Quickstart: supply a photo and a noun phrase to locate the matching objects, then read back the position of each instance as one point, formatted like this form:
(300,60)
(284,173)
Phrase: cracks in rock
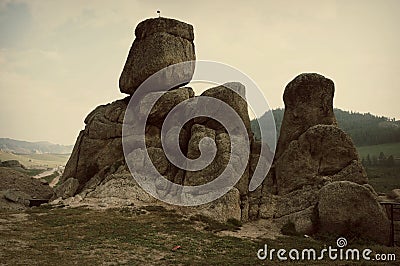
(319,166)
(294,213)
(78,143)
(158,32)
(108,138)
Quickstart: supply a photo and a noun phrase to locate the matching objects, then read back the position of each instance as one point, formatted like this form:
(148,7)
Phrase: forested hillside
(364,129)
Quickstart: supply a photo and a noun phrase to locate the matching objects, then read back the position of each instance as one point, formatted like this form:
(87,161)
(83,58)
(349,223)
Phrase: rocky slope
(17,189)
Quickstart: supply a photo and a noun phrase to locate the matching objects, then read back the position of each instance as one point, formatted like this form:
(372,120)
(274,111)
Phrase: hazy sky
(60,59)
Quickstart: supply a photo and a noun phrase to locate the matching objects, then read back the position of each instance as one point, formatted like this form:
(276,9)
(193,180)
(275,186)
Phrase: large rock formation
(97,158)
(316,167)
(312,159)
(102,151)
(98,149)
(159,43)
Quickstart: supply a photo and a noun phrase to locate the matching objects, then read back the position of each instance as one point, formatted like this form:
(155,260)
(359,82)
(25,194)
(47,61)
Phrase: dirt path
(255,229)
(45,173)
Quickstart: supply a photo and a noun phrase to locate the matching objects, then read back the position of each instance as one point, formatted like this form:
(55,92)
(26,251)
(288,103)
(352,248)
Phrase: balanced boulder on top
(159,43)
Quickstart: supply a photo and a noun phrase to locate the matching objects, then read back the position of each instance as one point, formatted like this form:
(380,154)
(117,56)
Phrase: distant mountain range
(26,147)
(364,129)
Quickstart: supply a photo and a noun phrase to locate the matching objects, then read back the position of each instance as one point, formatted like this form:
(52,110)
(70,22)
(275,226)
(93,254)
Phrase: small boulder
(165,103)
(303,221)
(12,164)
(17,197)
(394,194)
(234,94)
(222,209)
(11,179)
(67,189)
(17,189)
(360,214)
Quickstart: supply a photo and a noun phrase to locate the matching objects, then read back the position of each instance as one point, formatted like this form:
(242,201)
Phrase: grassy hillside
(381,176)
(387,148)
(36,160)
(383,179)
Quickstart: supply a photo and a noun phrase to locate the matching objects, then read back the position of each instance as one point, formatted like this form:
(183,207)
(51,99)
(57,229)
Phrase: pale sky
(61,59)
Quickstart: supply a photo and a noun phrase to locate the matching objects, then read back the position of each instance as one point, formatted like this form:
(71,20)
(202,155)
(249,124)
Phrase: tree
(382,158)
(390,161)
(369,163)
(374,160)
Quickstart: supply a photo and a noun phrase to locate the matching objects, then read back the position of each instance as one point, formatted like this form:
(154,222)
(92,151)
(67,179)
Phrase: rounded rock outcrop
(308,102)
(349,209)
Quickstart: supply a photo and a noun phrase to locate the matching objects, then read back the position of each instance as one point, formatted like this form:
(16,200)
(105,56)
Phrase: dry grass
(36,160)
(133,236)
